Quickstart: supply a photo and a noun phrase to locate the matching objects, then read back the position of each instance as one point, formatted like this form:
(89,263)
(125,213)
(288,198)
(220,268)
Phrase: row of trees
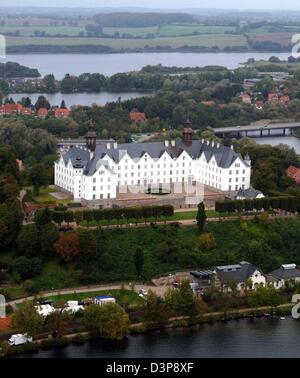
(286,203)
(111,214)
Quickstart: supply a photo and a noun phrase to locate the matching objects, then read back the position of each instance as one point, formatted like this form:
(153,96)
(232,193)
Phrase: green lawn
(45,196)
(123,297)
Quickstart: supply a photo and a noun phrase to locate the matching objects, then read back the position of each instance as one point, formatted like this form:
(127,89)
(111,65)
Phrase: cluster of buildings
(98,172)
(280,96)
(245,276)
(20,109)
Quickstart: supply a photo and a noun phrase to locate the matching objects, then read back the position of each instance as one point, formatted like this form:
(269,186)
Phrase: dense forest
(136,20)
(14,70)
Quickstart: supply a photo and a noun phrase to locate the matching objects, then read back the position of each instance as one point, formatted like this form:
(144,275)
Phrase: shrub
(207,242)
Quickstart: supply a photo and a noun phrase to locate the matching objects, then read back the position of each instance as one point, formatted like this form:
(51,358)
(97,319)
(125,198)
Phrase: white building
(243,276)
(98,172)
(286,273)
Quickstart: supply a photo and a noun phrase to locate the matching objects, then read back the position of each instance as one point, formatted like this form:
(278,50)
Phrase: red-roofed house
(137,116)
(285,99)
(61,113)
(273,97)
(259,104)
(208,103)
(11,109)
(294,173)
(26,111)
(246,99)
(42,113)
(5,324)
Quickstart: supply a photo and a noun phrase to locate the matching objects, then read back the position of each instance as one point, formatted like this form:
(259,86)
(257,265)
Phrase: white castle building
(97,172)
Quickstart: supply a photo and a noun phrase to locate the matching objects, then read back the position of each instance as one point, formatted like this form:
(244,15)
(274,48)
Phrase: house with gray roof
(286,273)
(241,276)
(98,171)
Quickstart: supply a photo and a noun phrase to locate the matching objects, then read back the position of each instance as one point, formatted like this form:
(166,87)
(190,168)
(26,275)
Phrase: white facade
(101,174)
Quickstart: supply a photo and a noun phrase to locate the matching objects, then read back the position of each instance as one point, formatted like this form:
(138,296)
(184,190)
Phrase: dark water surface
(264,337)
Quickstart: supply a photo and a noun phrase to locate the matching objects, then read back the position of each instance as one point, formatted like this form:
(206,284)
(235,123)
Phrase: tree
(38,176)
(63,104)
(67,246)
(88,245)
(27,268)
(207,241)
(42,102)
(42,217)
(28,241)
(57,321)
(109,321)
(155,309)
(48,237)
(201,216)
(26,319)
(139,261)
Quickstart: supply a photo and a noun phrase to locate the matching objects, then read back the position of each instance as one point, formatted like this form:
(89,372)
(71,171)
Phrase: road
(159,290)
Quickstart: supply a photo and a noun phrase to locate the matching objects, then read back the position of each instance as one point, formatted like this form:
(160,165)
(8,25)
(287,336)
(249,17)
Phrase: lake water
(275,141)
(84,99)
(109,64)
(264,337)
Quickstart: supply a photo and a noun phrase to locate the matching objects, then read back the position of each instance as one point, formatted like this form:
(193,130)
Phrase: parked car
(143,292)
(19,339)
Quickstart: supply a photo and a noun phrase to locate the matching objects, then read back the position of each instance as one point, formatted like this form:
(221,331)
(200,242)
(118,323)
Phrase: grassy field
(187,29)
(136,32)
(123,297)
(27,31)
(45,196)
(196,40)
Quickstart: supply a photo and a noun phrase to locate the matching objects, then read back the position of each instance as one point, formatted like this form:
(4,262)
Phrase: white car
(19,339)
(143,292)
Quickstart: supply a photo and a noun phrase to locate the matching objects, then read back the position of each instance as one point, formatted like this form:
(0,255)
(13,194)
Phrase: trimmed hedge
(286,203)
(110,214)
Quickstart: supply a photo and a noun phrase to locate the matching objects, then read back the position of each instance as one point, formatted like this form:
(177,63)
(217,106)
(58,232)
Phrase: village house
(280,277)
(137,116)
(208,103)
(294,173)
(42,113)
(240,277)
(249,193)
(61,113)
(259,104)
(285,99)
(273,97)
(246,98)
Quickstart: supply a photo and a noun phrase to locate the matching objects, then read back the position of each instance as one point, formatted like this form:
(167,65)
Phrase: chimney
(207,142)
(115,145)
(213,143)
(202,141)
(173,143)
(91,140)
(108,146)
(166,143)
(187,133)
(218,145)
(231,147)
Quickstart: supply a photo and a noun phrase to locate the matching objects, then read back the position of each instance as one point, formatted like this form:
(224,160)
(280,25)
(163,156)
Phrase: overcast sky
(236,4)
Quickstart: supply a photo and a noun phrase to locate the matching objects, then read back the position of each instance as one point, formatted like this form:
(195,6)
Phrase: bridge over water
(260,130)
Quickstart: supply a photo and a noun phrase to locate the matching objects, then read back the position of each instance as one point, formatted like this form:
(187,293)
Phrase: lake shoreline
(182,322)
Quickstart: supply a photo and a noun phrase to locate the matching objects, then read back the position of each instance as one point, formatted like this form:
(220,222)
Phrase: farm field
(198,40)
(188,29)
